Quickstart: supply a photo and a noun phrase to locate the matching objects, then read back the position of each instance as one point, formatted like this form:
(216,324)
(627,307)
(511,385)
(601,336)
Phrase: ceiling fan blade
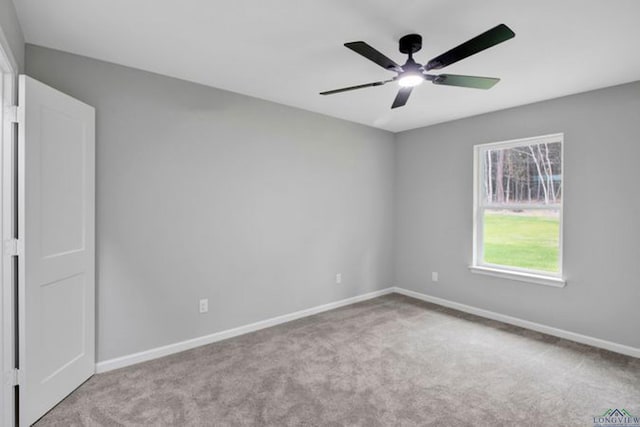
(345,89)
(492,37)
(373,55)
(402,97)
(466,81)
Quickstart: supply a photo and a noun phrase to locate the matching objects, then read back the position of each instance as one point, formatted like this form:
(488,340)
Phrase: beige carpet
(391,361)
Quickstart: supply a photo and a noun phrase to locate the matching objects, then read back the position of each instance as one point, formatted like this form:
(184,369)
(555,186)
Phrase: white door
(56,211)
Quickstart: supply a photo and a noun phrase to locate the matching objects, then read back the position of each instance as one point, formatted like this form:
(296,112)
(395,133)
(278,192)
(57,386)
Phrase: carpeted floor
(391,361)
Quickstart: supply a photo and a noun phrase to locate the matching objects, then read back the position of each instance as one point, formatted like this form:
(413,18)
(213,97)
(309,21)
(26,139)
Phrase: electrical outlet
(339,278)
(204,305)
(434,276)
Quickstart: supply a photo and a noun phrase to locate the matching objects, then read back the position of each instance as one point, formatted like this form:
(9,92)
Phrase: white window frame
(480,205)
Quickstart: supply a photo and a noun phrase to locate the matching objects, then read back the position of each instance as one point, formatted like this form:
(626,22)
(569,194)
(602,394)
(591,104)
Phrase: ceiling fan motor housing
(411,43)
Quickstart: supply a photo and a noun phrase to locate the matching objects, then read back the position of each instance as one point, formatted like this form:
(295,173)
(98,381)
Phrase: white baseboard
(154,353)
(560,333)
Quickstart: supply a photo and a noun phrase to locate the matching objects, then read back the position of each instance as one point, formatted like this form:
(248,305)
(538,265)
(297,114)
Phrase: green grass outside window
(520,240)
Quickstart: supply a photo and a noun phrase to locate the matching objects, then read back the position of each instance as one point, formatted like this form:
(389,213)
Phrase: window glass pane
(528,238)
(528,174)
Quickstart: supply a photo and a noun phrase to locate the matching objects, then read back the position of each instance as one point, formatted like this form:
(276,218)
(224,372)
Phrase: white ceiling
(289,50)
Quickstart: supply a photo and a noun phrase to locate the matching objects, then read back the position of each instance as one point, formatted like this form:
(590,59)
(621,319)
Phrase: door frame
(8,137)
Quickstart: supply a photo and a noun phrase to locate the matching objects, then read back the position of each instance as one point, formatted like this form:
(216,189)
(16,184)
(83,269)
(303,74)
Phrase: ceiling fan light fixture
(411,79)
(412,74)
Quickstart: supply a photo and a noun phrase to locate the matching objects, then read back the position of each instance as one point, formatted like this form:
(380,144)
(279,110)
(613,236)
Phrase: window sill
(523,277)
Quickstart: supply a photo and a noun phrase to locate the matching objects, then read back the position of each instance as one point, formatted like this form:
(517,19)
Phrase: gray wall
(207,194)
(601,213)
(203,193)
(12,31)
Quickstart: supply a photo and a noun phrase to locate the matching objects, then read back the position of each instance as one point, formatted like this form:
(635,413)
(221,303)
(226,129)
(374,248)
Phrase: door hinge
(13,247)
(13,113)
(17,377)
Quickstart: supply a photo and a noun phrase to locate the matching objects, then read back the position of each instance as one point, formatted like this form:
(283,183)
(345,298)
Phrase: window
(518,209)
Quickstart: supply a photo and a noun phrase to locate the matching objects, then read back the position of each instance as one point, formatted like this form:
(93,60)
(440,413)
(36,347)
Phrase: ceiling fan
(412,74)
